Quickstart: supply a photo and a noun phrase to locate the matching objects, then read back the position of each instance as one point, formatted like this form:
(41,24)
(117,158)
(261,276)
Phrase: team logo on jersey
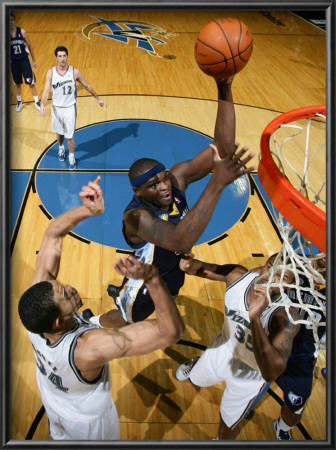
(295,400)
(144,34)
(175,211)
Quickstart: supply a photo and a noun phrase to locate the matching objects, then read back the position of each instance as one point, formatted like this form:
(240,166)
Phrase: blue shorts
(23,69)
(296,382)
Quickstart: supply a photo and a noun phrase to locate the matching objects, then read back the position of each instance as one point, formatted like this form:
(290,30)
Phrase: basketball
(223,47)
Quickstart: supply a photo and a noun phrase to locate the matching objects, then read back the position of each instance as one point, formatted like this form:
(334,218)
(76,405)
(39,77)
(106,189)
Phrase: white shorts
(243,384)
(63,120)
(106,428)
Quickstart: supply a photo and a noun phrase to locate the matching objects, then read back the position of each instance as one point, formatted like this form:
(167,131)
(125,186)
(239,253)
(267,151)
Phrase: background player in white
(62,80)
(72,354)
(253,346)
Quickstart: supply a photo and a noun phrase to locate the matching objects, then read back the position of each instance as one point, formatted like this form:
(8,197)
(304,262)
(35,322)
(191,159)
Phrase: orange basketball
(223,47)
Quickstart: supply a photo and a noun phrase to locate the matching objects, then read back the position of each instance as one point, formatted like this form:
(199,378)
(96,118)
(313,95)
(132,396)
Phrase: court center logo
(145,35)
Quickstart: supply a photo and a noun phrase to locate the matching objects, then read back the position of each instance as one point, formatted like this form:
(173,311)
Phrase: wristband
(95,320)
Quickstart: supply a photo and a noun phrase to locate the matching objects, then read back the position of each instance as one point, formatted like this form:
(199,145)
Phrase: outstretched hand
(131,267)
(232,166)
(92,197)
(190,265)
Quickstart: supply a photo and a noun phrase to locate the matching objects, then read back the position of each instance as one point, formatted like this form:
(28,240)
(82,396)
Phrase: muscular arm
(79,77)
(192,170)
(99,346)
(181,237)
(272,352)
(49,255)
(218,272)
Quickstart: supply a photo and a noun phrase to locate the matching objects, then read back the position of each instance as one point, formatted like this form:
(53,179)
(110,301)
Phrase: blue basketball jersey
(18,46)
(166,261)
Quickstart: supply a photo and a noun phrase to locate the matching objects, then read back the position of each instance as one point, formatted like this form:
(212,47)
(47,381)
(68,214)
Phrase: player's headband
(141,179)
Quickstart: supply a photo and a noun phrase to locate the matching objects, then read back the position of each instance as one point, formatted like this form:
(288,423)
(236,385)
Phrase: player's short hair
(141,166)
(12,15)
(60,48)
(37,309)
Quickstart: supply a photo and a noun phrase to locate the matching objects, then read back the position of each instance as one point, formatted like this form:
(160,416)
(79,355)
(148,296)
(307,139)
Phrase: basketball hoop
(292,172)
(293,201)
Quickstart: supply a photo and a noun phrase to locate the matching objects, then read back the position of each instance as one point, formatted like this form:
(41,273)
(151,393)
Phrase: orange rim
(303,215)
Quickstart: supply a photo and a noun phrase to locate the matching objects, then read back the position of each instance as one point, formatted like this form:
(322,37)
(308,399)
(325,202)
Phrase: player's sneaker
(18,106)
(184,370)
(113,291)
(72,163)
(61,154)
(38,105)
(87,314)
(281,435)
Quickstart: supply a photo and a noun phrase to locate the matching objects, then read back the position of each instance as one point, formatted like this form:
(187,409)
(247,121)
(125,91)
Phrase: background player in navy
(21,65)
(157,222)
(297,380)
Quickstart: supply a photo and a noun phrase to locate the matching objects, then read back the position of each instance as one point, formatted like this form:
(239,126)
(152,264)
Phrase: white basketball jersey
(236,330)
(60,382)
(64,90)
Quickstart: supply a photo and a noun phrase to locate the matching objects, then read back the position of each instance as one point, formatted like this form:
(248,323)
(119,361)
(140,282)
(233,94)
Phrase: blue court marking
(18,186)
(59,192)
(115,145)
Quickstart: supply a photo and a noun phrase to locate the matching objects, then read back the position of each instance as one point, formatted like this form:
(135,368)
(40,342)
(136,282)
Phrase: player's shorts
(134,301)
(63,120)
(23,69)
(103,429)
(296,382)
(243,384)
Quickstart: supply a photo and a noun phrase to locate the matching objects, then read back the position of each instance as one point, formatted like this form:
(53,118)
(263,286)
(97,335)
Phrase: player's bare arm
(96,347)
(45,93)
(223,272)
(30,47)
(224,139)
(48,258)
(271,352)
(79,77)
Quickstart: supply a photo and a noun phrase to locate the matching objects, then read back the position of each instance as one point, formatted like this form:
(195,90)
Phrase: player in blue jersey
(297,380)
(157,223)
(21,64)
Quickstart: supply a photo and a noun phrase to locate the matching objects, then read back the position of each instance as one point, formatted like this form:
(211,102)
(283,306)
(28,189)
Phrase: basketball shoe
(184,369)
(72,163)
(38,105)
(280,434)
(18,106)
(61,154)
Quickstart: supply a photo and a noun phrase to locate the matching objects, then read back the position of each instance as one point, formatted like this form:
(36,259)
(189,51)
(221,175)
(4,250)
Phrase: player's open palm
(232,166)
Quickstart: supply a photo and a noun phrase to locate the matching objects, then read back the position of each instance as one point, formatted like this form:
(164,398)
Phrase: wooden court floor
(162,84)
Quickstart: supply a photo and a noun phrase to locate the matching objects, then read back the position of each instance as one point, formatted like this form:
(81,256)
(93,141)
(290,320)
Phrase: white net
(298,149)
